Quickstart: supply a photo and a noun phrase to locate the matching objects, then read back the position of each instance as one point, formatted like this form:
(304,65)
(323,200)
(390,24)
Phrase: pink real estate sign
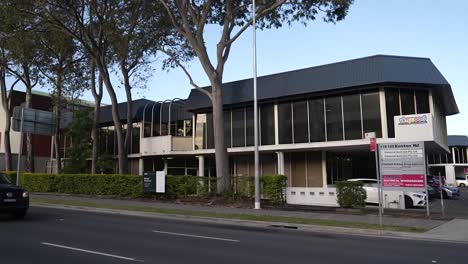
(404,181)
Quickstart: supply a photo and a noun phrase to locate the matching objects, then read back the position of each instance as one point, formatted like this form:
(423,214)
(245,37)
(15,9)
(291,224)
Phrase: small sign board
(160,181)
(154,182)
(149,182)
(403,166)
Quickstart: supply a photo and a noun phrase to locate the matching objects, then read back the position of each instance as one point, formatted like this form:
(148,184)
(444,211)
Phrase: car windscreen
(4,179)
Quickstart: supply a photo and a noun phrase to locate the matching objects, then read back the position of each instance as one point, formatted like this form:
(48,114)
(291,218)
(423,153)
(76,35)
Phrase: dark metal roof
(153,110)
(105,117)
(362,72)
(457,141)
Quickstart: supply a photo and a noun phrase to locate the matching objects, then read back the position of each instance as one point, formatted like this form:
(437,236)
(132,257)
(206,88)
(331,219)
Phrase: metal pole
(380,192)
(428,213)
(441,196)
(256,154)
(20,148)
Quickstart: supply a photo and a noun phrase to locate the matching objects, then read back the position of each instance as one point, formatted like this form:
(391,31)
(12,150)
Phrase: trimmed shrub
(99,184)
(351,194)
(271,187)
(179,186)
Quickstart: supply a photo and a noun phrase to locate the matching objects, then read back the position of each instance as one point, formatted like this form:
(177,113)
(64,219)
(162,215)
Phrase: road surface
(65,236)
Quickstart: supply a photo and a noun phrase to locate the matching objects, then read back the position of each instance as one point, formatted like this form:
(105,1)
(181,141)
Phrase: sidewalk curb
(257,224)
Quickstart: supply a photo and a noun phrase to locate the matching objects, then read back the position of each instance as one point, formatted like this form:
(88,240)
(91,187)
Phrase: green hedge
(105,184)
(272,187)
(351,194)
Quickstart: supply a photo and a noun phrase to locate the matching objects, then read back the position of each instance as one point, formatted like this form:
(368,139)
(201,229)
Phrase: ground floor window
(342,166)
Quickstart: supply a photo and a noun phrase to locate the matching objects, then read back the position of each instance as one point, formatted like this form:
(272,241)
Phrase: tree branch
(176,61)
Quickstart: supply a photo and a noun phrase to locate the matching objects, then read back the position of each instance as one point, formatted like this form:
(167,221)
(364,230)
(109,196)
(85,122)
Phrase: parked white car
(372,189)
(462,181)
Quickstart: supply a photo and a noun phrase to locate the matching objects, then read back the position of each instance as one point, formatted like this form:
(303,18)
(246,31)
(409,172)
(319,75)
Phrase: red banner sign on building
(404,181)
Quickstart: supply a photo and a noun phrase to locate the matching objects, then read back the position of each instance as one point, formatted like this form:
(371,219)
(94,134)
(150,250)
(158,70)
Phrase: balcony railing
(164,145)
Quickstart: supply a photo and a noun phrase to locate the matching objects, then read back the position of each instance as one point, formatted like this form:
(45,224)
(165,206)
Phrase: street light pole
(256,154)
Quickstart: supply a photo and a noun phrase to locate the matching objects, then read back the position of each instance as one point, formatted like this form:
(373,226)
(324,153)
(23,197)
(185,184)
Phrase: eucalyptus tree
(88,22)
(233,17)
(62,65)
(24,57)
(139,26)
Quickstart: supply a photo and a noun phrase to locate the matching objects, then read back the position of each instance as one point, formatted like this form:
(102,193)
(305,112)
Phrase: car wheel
(19,214)
(462,185)
(408,202)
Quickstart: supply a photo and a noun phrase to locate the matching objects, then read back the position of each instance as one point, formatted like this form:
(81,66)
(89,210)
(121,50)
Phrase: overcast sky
(435,29)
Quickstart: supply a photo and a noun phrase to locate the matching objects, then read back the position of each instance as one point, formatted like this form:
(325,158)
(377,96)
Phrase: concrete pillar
(324,169)
(165,166)
(280,160)
(450,174)
(140,166)
(201,166)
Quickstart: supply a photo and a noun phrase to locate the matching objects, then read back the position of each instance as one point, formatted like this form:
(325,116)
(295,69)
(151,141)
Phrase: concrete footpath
(454,230)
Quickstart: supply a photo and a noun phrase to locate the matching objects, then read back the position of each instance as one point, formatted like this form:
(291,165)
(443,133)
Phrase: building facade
(453,164)
(312,124)
(44,159)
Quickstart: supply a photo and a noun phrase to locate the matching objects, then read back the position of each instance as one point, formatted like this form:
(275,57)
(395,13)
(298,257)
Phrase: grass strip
(251,217)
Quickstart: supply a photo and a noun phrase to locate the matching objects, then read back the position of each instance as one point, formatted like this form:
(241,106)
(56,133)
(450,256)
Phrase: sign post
(154,182)
(403,167)
(28,120)
(373,148)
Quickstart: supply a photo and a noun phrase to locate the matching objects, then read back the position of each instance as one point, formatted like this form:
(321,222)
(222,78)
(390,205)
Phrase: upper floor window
(404,101)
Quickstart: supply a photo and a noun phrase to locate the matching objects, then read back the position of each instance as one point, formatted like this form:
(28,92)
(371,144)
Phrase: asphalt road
(64,236)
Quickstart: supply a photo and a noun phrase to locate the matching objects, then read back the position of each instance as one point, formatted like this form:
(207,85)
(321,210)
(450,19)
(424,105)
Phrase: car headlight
(418,195)
(25,194)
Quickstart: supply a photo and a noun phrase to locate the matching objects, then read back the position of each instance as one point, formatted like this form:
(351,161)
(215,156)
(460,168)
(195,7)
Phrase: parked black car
(14,200)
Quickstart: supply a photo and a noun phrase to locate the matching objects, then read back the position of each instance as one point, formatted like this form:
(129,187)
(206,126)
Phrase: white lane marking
(90,251)
(188,235)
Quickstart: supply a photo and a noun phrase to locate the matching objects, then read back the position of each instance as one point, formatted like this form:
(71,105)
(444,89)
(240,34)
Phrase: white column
(276,124)
(324,169)
(280,161)
(140,166)
(165,166)
(201,166)
(383,113)
(450,174)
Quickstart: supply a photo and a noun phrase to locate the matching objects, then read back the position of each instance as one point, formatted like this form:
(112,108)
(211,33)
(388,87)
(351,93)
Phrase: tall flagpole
(256,154)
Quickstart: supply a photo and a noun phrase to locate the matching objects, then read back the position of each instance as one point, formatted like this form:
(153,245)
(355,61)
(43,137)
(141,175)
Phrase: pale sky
(435,29)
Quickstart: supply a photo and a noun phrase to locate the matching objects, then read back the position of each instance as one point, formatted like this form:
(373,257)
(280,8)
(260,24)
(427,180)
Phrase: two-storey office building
(453,164)
(312,123)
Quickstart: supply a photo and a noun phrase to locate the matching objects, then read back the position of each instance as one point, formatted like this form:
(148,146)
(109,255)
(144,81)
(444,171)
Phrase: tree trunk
(8,162)
(58,112)
(221,155)
(6,109)
(29,139)
(122,154)
(128,92)
(97,106)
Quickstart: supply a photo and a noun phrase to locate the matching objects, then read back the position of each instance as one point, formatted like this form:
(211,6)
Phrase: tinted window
(392,103)
(3,179)
(249,122)
(316,120)
(267,125)
(238,128)
(227,128)
(352,116)
(422,101)
(334,118)
(407,102)
(371,113)
(301,124)
(285,123)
